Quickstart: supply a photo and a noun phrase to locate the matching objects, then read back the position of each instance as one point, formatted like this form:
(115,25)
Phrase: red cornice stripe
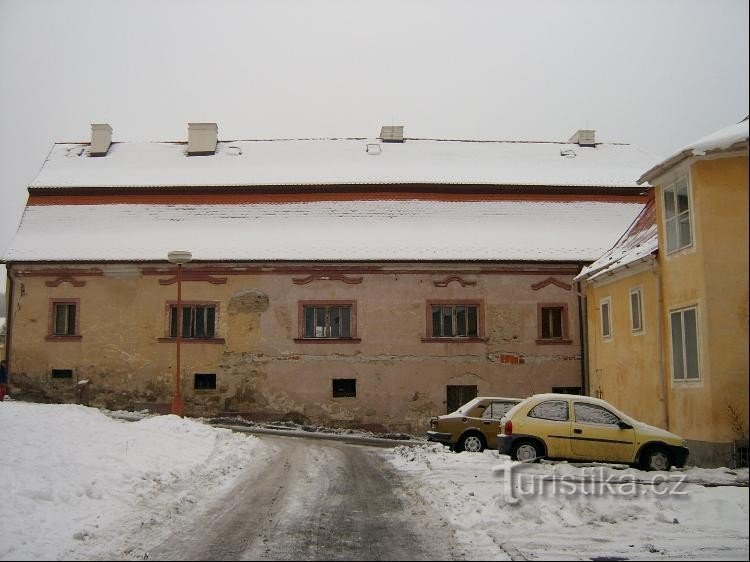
(36,199)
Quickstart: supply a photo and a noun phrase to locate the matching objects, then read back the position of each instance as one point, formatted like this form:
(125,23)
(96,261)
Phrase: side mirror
(624,425)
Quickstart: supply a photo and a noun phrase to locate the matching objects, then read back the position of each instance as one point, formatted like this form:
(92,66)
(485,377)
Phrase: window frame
(606,301)
(303,304)
(187,339)
(52,317)
(564,338)
(681,311)
(453,303)
(642,316)
(672,188)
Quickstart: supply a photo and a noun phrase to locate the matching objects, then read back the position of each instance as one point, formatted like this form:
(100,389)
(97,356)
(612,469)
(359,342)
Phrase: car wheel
(656,458)
(526,451)
(471,443)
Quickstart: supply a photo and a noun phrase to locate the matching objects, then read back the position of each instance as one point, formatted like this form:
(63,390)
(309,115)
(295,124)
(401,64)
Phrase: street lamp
(178,257)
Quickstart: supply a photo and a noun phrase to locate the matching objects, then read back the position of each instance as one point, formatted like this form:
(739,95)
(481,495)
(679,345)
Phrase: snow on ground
(79,484)
(74,479)
(503,509)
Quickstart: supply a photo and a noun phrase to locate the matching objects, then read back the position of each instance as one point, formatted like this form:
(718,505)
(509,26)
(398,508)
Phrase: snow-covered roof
(640,241)
(728,138)
(324,230)
(345,161)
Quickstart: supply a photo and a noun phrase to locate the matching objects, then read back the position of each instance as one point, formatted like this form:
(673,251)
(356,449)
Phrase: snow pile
(564,511)
(75,478)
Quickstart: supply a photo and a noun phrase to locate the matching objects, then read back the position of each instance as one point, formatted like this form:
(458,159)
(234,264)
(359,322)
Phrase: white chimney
(392,133)
(101,138)
(584,137)
(202,138)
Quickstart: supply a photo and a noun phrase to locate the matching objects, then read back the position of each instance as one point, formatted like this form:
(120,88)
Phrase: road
(315,500)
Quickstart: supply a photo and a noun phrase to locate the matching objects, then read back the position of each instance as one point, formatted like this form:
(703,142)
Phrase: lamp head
(179,256)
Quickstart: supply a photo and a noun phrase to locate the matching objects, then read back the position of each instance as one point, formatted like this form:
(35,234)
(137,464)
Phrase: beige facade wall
(624,368)
(711,275)
(263,372)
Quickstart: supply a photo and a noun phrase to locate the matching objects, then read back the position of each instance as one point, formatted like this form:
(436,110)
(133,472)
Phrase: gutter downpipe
(8,321)
(583,329)
(663,388)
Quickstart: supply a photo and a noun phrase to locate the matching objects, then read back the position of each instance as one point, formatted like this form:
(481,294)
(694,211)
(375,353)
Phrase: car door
(598,437)
(550,421)
(490,425)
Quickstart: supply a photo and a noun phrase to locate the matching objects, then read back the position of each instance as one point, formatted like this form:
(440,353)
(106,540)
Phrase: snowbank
(565,512)
(73,476)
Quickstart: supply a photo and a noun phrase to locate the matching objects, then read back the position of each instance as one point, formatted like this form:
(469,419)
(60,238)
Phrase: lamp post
(178,257)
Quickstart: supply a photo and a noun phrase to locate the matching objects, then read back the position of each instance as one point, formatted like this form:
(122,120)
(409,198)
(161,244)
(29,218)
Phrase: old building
(361,282)
(668,304)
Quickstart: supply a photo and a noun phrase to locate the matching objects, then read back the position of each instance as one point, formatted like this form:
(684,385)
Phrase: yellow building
(667,306)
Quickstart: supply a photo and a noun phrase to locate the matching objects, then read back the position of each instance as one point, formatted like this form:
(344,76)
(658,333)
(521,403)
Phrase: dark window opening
(198,321)
(343,388)
(328,321)
(62,373)
(205,381)
(65,319)
(457,395)
(552,322)
(566,390)
(459,321)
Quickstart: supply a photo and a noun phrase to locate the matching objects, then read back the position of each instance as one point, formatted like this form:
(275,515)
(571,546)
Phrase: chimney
(392,133)
(101,138)
(202,139)
(584,137)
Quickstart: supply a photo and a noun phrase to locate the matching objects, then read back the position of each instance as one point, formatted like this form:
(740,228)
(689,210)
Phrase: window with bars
(454,320)
(328,321)
(198,321)
(679,232)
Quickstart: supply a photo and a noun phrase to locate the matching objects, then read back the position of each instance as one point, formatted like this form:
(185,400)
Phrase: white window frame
(608,302)
(681,311)
(671,190)
(641,317)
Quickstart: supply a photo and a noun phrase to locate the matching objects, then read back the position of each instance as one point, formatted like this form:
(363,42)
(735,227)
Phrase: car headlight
(684,443)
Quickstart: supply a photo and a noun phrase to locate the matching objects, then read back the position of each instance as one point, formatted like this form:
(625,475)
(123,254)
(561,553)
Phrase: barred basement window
(205,381)
(198,321)
(62,373)
(343,388)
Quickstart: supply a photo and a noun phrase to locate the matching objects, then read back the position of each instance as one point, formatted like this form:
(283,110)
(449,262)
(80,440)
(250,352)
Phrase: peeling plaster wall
(262,372)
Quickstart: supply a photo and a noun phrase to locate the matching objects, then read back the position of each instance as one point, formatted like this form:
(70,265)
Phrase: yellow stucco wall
(401,380)
(624,368)
(712,274)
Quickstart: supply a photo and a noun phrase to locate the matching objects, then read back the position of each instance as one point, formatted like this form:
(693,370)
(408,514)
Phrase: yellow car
(567,426)
(474,426)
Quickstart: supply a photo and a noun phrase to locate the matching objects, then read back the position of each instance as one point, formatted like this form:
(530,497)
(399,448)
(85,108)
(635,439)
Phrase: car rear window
(555,410)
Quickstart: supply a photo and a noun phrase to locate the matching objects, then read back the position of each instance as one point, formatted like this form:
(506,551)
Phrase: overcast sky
(656,73)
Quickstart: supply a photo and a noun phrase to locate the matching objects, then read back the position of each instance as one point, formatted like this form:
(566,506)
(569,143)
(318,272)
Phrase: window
(497,410)
(677,216)
(198,321)
(685,344)
(63,320)
(62,373)
(553,323)
(566,390)
(605,307)
(454,320)
(636,310)
(344,388)
(591,413)
(555,410)
(459,394)
(328,321)
(205,381)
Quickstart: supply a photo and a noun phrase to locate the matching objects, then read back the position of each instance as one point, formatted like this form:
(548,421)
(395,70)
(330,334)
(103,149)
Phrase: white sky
(655,73)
